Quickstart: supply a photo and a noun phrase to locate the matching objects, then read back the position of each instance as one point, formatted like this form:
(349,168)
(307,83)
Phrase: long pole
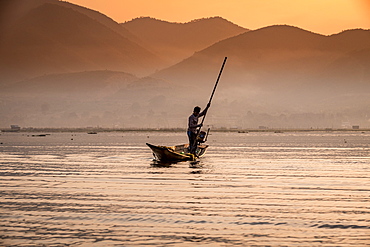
(209,102)
(214,89)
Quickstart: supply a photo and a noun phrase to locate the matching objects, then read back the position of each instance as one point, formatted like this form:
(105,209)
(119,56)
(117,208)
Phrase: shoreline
(96,130)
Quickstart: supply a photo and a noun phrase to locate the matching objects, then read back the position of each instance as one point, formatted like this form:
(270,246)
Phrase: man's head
(196,111)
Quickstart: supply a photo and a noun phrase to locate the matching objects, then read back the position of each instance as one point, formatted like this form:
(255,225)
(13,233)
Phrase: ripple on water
(251,189)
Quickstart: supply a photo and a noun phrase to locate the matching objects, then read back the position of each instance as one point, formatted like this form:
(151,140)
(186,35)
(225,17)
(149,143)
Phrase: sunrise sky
(321,16)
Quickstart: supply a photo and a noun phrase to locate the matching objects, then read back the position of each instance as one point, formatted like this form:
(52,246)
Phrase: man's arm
(205,110)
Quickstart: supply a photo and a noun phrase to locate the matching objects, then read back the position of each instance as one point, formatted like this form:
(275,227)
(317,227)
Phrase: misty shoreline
(241,131)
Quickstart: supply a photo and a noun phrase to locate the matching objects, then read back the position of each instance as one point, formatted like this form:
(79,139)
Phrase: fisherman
(193,125)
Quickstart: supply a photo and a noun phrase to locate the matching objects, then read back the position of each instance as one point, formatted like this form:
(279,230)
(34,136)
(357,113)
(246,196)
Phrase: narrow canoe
(176,153)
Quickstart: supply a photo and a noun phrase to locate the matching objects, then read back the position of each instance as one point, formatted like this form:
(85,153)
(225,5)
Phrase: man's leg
(192,143)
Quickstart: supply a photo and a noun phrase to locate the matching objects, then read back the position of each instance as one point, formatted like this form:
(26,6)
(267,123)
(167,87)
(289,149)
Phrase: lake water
(250,189)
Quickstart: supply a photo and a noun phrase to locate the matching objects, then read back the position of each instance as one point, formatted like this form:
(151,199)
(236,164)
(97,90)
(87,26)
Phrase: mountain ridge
(51,38)
(180,40)
(263,44)
(276,73)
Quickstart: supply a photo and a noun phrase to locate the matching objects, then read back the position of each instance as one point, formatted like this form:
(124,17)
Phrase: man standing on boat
(193,125)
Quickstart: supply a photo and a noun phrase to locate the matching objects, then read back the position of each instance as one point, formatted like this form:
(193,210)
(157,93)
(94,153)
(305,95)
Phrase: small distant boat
(176,153)
(41,135)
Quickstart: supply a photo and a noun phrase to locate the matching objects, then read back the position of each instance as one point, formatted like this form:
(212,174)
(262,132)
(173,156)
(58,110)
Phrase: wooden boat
(176,153)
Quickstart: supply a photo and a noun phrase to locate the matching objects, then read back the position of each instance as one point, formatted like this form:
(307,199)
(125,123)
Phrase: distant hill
(273,51)
(177,41)
(50,36)
(283,68)
(55,37)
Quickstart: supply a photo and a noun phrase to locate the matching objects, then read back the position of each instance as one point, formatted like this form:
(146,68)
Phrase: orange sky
(321,16)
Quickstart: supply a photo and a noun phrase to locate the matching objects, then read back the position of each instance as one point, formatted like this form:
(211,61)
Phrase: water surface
(277,189)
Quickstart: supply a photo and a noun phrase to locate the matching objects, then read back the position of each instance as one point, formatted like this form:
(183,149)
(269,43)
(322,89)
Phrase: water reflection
(161,164)
(191,164)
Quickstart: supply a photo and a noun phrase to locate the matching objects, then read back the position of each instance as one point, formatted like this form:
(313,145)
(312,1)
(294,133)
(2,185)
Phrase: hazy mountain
(63,65)
(176,41)
(55,37)
(49,36)
(12,10)
(274,55)
(282,69)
